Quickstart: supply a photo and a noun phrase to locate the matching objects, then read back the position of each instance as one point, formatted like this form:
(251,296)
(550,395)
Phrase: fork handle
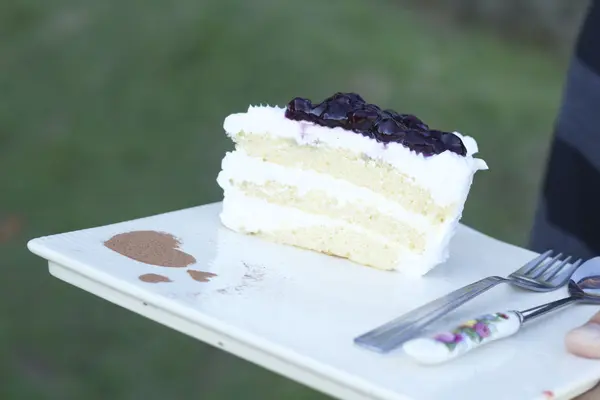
(466,337)
(392,334)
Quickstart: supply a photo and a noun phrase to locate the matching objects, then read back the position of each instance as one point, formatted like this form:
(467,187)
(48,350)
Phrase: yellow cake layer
(341,242)
(319,202)
(375,175)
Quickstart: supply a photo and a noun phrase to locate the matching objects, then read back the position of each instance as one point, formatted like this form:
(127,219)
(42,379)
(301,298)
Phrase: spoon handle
(476,332)
(465,337)
(538,311)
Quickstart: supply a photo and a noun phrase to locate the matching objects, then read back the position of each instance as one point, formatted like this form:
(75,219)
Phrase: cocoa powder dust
(154,278)
(200,276)
(151,247)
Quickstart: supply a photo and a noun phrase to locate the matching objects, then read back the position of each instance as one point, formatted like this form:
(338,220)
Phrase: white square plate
(296,312)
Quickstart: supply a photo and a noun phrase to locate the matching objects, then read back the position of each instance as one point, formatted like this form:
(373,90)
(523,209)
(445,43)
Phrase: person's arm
(568,213)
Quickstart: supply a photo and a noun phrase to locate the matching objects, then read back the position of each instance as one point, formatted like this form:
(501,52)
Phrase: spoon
(584,287)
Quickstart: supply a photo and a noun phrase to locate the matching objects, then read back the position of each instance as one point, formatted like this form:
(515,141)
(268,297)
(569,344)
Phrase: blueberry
(317,111)
(435,134)
(438,147)
(298,108)
(362,120)
(371,107)
(337,98)
(416,138)
(335,115)
(392,114)
(454,143)
(355,98)
(422,143)
(413,122)
(388,130)
(299,104)
(427,149)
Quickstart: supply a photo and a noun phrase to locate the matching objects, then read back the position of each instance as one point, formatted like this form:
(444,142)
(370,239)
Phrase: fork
(539,275)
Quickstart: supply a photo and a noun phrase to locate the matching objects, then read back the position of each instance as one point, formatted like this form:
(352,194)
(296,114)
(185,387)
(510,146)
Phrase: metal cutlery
(542,274)
(584,287)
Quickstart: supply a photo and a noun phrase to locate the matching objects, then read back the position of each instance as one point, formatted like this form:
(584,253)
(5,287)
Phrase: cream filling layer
(247,214)
(238,166)
(447,175)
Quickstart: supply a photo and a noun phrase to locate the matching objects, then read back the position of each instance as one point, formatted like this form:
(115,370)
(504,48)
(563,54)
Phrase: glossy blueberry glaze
(351,112)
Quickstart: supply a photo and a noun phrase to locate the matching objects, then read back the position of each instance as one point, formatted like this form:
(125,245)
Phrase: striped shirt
(568,213)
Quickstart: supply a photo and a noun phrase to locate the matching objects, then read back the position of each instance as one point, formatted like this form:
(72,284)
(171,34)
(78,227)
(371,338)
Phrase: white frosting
(447,175)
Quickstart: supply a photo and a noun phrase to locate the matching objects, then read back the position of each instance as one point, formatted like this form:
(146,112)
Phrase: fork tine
(566,273)
(556,269)
(533,263)
(537,272)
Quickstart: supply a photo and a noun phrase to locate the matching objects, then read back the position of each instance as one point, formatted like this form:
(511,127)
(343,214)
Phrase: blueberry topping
(355,98)
(362,121)
(413,122)
(389,130)
(453,143)
(346,98)
(351,112)
(315,114)
(371,107)
(336,114)
(298,109)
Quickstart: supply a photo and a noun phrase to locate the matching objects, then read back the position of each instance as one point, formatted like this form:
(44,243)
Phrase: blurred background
(112,110)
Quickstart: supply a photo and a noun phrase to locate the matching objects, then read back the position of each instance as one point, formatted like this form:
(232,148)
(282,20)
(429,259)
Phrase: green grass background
(113,109)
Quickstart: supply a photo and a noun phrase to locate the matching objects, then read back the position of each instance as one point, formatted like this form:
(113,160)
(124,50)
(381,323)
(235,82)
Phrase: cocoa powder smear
(200,276)
(154,278)
(151,247)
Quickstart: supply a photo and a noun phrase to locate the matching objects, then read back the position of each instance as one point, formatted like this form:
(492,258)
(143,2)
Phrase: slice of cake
(348,179)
